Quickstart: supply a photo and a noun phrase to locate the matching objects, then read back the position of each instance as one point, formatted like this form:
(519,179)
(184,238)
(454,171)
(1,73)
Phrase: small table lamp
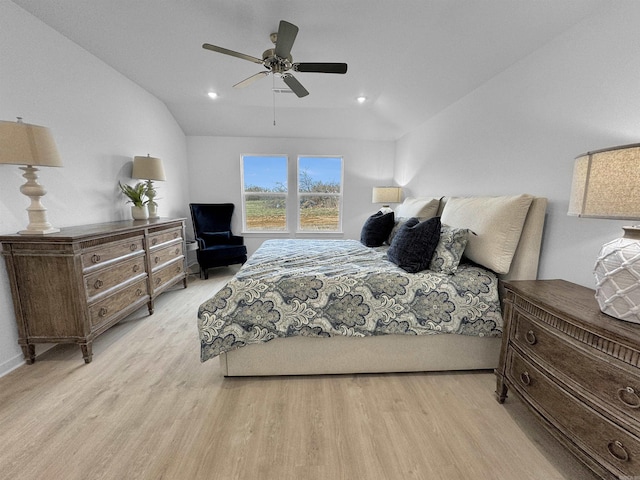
(606,184)
(386,195)
(31,146)
(149,169)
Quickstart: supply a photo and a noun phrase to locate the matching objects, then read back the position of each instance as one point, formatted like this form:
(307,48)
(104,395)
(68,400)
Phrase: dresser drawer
(167,275)
(594,373)
(594,434)
(103,254)
(103,311)
(100,282)
(157,239)
(164,255)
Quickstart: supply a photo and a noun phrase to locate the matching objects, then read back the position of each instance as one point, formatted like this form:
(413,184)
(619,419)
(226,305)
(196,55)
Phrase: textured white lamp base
(617,273)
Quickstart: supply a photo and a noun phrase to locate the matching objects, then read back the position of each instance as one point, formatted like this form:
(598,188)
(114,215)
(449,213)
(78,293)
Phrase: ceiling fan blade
(248,81)
(295,85)
(226,51)
(320,67)
(286,36)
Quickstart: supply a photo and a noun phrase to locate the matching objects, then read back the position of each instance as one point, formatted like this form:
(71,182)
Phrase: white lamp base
(617,273)
(38,224)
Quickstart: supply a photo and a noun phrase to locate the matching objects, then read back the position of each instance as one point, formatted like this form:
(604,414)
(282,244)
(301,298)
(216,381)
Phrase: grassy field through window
(270,214)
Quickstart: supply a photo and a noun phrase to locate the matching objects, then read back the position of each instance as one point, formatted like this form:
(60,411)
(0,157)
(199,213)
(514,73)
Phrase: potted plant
(136,195)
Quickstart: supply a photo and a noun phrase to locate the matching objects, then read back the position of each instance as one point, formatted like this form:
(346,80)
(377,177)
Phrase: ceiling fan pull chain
(273,92)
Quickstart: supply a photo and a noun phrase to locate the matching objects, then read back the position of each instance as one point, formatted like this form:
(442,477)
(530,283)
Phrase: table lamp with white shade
(606,184)
(31,146)
(386,196)
(149,168)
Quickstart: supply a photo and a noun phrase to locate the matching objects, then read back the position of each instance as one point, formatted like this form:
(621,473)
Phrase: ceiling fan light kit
(278,60)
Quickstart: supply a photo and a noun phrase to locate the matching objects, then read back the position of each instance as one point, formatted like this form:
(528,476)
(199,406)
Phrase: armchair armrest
(209,239)
(236,240)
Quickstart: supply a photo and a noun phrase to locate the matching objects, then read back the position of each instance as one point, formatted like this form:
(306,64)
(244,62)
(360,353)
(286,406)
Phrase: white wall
(521,131)
(215,166)
(99,120)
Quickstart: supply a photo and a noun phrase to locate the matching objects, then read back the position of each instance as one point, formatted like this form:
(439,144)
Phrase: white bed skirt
(377,354)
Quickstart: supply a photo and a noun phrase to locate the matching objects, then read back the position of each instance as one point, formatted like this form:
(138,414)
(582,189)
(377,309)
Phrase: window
(264,186)
(319,194)
(317,207)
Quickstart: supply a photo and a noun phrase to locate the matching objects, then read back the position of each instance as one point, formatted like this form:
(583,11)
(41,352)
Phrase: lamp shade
(606,184)
(386,195)
(148,168)
(25,144)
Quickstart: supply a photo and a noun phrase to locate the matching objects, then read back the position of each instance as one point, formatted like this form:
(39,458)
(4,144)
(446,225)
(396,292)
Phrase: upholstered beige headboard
(524,265)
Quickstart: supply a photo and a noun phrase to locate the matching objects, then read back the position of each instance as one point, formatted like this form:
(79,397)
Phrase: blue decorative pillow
(449,251)
(413,246)
(376,229)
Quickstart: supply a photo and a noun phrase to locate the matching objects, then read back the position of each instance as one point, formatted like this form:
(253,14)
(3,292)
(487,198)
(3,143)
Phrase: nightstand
(577,369)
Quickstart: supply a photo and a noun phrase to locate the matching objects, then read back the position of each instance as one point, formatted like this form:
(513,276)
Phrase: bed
(301,307)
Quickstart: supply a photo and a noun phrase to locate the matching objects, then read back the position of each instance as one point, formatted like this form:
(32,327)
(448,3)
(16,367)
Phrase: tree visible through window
(319,193)
(264,184)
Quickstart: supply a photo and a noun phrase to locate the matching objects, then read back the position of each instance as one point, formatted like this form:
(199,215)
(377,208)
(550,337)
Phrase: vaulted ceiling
(410,58)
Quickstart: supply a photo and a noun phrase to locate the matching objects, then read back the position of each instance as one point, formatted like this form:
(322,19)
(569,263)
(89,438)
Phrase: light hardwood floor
(146,408)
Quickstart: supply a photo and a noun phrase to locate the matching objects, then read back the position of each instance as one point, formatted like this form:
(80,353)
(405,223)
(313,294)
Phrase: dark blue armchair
(217,245)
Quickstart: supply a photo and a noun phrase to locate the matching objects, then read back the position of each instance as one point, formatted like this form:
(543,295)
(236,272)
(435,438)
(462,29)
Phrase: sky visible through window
(269,171)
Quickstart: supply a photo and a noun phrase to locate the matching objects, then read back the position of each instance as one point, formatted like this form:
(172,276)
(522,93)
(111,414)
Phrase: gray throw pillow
(449,251)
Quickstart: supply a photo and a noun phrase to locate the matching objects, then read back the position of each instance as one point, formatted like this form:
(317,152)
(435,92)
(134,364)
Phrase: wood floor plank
(146,408)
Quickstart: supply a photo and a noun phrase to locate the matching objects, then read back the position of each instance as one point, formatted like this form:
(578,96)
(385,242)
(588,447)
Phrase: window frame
(244,193)
(300,195)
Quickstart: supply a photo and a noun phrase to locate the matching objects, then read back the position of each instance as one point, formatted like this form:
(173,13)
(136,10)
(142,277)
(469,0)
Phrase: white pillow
(422,208)
(497,223)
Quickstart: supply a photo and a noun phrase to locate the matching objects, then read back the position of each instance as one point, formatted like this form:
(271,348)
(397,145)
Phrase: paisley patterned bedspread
(325,288)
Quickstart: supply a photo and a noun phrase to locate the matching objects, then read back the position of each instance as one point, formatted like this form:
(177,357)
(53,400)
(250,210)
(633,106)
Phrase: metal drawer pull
(136,268)
(157,260)
(617,451)
(629,397)
(175,234)
(154,241)
(103,311)
(178,269)
(177,251)
(158,281)
(525,378)
(95,258)
(530,337)
(139,292)
(133,247)
(97,284)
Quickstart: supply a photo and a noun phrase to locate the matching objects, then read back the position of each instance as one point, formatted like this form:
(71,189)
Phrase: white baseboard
(11,364)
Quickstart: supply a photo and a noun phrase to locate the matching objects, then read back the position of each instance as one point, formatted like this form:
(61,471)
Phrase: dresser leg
(501,389)
(29,352)
(150,307)
(87,351)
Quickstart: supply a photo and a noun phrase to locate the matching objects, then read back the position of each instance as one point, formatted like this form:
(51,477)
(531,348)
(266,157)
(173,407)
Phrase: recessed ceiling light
(212,95)
(361,99)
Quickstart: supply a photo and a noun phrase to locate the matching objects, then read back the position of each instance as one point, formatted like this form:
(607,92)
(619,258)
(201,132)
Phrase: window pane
(319,193)
(320,213)
(320,174)
(264,173)
(266,212)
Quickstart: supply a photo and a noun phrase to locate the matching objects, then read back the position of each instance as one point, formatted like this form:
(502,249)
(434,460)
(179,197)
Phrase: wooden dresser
(577,369)
(70,286)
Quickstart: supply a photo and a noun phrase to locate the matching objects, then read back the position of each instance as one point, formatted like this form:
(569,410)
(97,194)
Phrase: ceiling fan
(278,60)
